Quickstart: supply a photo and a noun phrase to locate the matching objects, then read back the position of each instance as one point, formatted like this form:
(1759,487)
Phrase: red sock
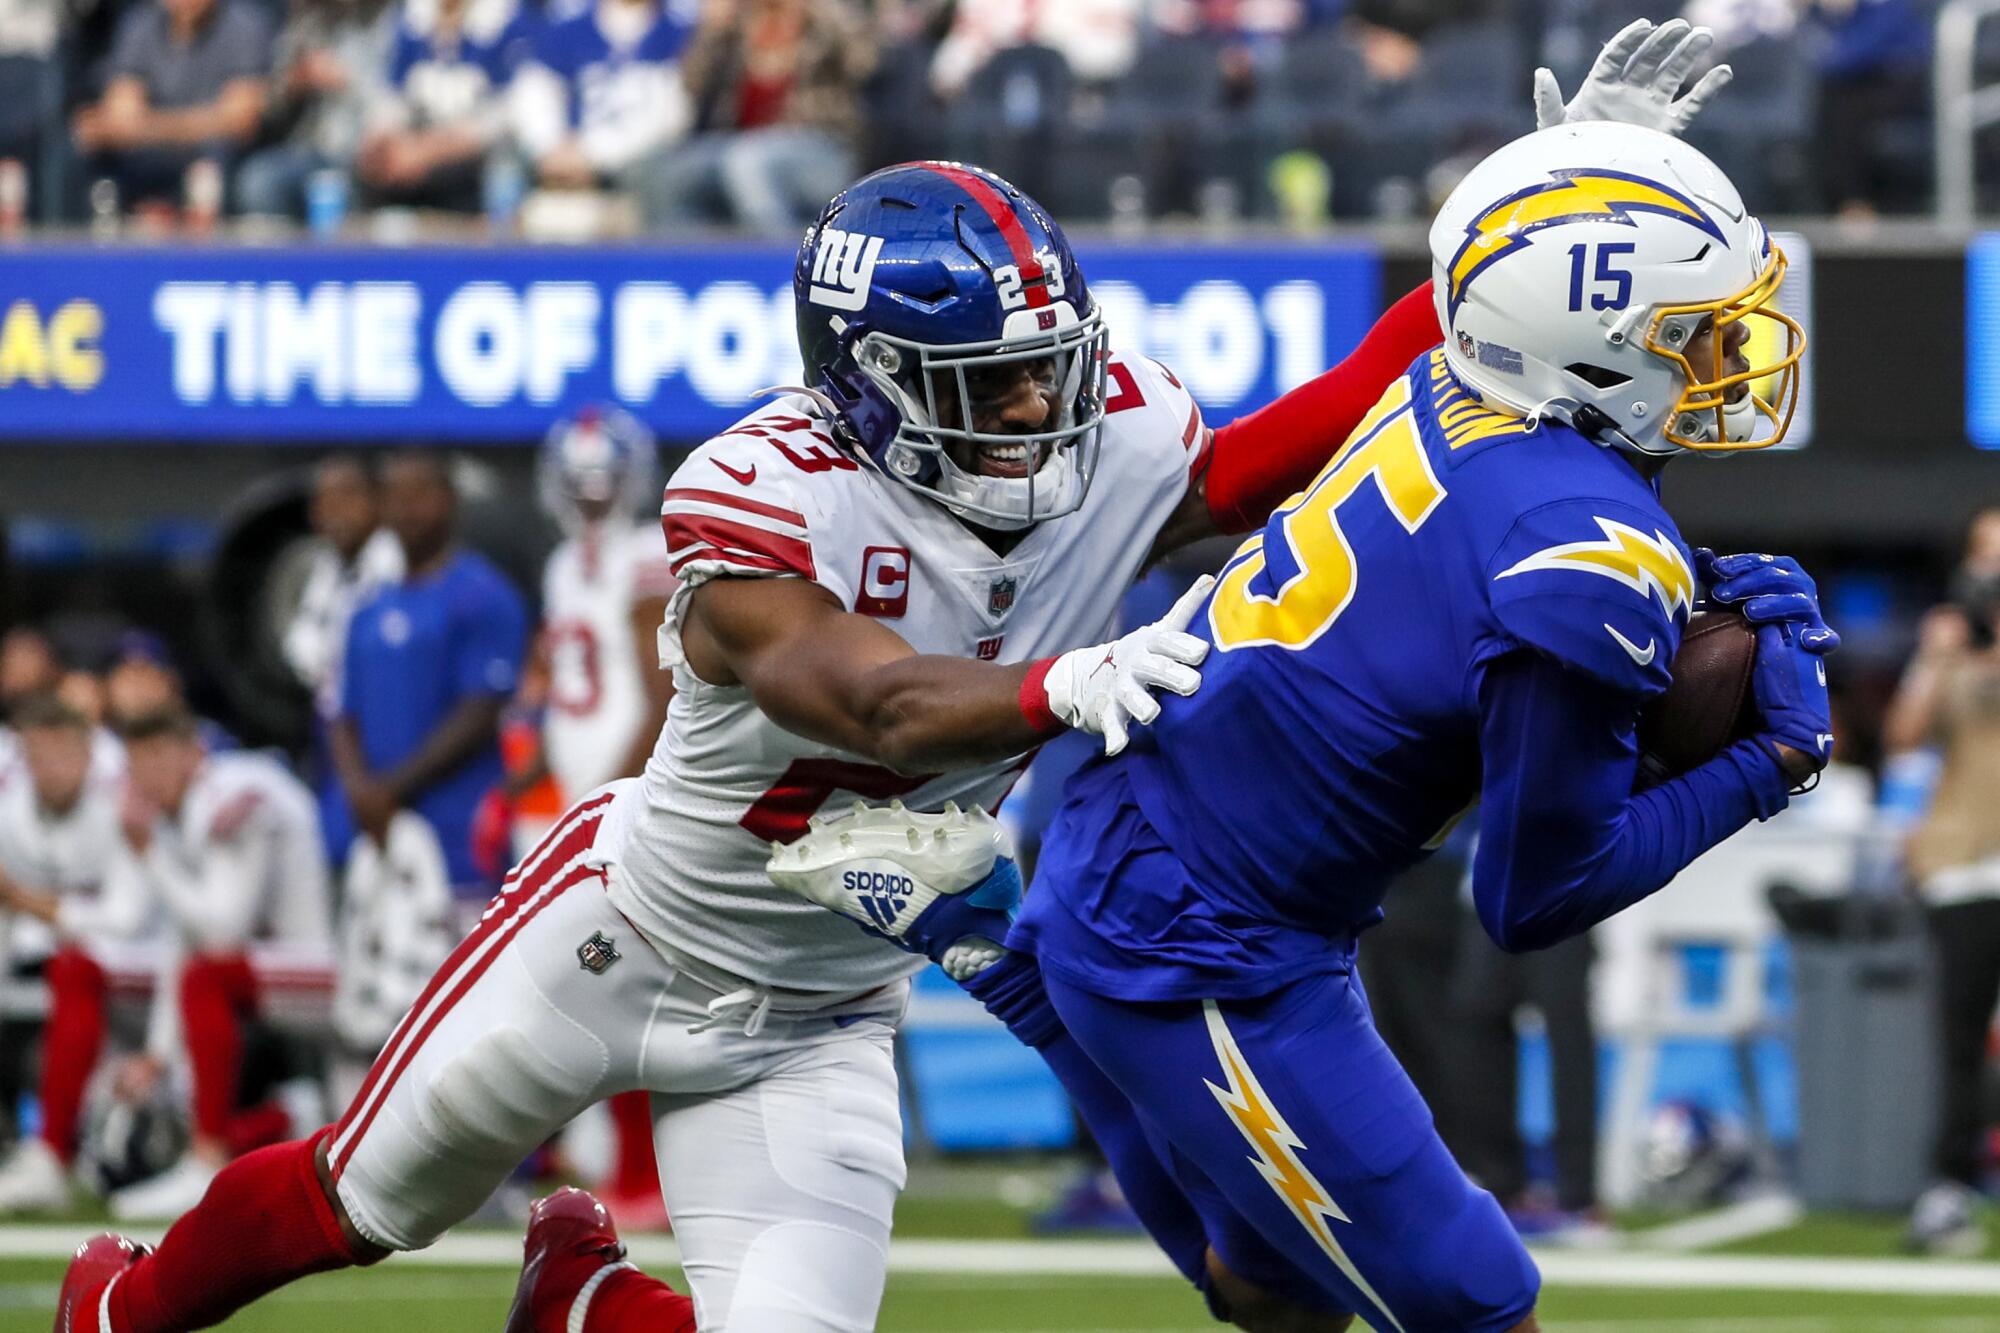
(264,1222)
(70,1045)
(216,994)
(631,1302)
(259,1126)
(632,1168)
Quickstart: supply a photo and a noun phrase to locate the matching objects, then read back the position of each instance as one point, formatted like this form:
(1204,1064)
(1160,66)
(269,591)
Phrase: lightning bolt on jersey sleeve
(1602,586)
(1252,830)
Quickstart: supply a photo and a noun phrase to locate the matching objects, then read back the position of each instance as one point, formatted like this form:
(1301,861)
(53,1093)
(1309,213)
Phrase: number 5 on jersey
(1248,612)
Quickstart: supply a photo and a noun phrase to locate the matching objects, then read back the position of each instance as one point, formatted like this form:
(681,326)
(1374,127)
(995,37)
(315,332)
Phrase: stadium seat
(1012,115)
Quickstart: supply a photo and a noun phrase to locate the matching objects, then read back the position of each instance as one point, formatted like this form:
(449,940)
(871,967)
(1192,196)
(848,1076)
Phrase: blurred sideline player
(58,834)
(431,661)
(1469,605)
(356,556)
(880,576)
(604,594)
(227,848)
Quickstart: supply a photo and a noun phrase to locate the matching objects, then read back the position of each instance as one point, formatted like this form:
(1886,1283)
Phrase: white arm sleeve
(216,905)
(655,113)
(535,109)
(122,910)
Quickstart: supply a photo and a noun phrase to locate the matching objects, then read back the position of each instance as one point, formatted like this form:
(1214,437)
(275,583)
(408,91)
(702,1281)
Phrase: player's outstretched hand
(1635,79)
(1102,689)
(942,885)
(1793,639)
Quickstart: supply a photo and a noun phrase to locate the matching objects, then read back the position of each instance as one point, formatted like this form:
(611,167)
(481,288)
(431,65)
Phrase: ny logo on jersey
(843,267)
(1650,566)
(989,649)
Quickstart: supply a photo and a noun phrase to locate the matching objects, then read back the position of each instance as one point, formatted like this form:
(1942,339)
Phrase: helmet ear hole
(1598,377)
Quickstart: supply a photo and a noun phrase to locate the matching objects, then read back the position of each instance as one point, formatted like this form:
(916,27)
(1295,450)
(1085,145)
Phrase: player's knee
(1254,1309)
(1473,1273)
(362,1250)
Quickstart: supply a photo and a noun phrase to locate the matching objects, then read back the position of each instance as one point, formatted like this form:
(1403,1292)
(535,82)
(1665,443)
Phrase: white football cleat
(167,1195)
(33,1179)
(944,885)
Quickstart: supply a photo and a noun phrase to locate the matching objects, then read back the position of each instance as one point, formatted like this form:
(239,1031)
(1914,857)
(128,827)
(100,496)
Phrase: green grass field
(409,1296)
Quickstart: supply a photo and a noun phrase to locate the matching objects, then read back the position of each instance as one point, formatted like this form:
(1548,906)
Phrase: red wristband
(1261,459)
(1035,699)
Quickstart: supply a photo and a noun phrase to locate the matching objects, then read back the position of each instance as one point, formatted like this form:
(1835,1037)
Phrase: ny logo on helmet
(843,267)
(1571,195)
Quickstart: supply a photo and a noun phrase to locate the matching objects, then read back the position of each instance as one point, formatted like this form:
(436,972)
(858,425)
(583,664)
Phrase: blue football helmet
(924,293)
(596,464)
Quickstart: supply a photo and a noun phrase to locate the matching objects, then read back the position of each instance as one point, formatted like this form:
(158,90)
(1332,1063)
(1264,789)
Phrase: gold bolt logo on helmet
(1580,195)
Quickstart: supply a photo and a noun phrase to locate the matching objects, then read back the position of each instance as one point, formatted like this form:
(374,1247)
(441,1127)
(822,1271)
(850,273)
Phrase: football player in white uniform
(58,833)
(884,577)
(604,592)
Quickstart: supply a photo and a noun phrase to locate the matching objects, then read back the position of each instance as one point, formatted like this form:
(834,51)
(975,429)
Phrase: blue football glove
(1789,685)
(1768,590)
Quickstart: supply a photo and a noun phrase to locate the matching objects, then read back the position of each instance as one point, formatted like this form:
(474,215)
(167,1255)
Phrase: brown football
(1707,704)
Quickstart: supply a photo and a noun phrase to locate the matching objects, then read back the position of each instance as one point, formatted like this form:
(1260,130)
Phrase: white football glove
(1102,688)
(1635,78)
(942,885)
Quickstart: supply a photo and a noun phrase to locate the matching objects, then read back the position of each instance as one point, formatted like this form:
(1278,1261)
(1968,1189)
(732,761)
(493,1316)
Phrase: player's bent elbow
(901,749)
(1524,934)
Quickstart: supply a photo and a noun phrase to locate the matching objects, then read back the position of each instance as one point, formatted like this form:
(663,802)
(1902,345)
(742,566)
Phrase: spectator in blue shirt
(601,93)
(427,142)
(431,661)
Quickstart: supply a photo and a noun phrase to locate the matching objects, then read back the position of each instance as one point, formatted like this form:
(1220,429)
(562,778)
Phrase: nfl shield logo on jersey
(1000,595)
(597,953)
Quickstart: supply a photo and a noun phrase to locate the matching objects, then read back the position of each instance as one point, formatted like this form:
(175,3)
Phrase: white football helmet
(1573,266)
(601,461)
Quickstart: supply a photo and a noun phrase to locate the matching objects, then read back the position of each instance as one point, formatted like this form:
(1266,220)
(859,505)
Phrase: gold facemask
(1773,376)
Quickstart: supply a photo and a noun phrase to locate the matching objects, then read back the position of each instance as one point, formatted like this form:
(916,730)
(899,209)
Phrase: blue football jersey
(606,82)
(448,73)
(1336,735)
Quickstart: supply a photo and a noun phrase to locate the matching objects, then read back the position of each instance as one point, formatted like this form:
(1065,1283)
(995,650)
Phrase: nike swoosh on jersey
(1643,656)
(746,476)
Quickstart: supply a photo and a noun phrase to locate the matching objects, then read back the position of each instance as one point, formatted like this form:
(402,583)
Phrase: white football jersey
(242,860)
(775,496)
(597,701)
(65,854)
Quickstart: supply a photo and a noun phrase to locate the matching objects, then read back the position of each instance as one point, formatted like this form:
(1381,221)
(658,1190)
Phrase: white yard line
(1889,1277)
(1139,1259)
(1739,1221)
(1778,1324)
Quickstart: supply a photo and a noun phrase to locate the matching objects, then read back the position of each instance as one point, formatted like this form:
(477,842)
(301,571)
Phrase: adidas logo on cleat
(884,896)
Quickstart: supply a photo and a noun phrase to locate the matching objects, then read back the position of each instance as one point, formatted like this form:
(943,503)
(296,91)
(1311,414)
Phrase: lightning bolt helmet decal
(1572,194)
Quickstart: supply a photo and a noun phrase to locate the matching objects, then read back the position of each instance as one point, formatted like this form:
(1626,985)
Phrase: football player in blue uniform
(1469,606)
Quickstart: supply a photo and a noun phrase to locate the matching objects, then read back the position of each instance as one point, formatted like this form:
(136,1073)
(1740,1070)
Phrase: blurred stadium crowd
(657,115)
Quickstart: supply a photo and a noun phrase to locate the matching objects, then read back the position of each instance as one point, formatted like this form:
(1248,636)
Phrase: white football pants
(779,1133)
